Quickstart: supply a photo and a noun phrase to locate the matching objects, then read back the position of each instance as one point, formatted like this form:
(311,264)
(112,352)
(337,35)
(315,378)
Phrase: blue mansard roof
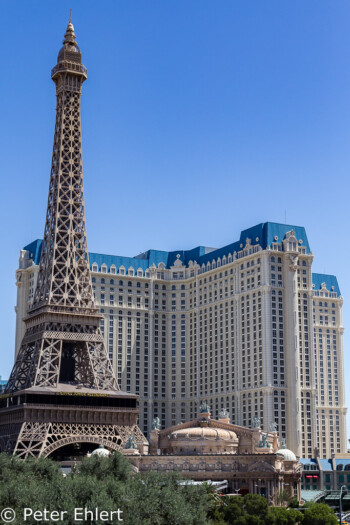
(326,464)
(329,280)
(264,234)
(341,463)
(34,249)
(308,461)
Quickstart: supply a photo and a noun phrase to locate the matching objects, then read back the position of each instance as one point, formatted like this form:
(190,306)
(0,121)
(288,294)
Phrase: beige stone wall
(248,473)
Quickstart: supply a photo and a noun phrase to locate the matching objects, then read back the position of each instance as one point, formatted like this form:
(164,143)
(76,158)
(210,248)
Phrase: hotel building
(247,327)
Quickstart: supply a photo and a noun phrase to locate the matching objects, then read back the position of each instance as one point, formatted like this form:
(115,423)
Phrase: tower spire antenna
(69,37)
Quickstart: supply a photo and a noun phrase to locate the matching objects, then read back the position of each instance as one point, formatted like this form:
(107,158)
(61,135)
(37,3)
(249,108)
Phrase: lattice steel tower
(62,391)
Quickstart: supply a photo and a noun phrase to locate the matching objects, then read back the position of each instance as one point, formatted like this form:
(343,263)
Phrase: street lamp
(340,509)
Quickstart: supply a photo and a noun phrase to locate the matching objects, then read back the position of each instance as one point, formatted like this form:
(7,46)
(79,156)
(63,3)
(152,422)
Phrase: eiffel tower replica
(62,396)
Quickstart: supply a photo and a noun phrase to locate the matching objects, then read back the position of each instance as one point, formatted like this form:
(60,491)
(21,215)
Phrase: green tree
(319,514)
(156,499)
(115,465)
(103,483)
(293,503)
(283,516)
(251,509)
(281,497)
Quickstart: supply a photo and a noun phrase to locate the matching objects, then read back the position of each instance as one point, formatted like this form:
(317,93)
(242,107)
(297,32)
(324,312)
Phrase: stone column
(154,442)
(291,345)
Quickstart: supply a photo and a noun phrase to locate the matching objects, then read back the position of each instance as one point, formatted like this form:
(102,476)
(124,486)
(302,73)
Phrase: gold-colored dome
(203,433)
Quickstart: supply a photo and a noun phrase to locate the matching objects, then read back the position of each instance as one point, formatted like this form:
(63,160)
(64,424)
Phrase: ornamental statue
(223,414)
(156,423)
(204,408)
(256,422)
(273,426)
(130,444)
(263,443)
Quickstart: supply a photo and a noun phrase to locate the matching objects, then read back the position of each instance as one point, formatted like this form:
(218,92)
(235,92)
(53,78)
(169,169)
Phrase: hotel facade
(247,327)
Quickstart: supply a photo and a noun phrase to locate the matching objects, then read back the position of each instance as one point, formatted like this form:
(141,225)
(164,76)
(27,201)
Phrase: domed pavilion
(251,460)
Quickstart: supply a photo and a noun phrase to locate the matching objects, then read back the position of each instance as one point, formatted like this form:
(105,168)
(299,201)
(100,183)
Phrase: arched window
(292,242)
(111,281)
(104,268)
(102,281)
(94,267)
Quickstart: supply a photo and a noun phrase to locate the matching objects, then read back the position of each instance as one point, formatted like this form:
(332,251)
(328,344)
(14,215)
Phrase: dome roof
(101,451)
(288,454)
(206,433)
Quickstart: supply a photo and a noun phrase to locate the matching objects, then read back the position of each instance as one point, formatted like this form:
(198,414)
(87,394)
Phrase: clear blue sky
(200,119)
